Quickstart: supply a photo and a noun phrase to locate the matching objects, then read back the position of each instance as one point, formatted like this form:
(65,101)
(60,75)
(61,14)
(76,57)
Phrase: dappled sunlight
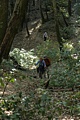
(32,67)
(23,94)
(74,56)
(79,42)
(35,25)
(38,25)
(8,113)
(67,117)
(68,46)
(34,22)
(31,30)
(1,92)
(25,58)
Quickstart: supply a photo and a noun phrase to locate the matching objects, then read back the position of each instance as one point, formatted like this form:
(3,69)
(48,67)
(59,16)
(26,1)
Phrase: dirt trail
(23,41)
(36,30)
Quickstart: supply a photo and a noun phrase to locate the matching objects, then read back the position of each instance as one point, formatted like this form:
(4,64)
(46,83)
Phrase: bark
(64,19)
(3,18)
(41,12)
(27,29)
(58,9)
(33,3)
(57,26)
(16,19)
(29,6)
(11,6)
(27,18)
(69,7)
(46,11)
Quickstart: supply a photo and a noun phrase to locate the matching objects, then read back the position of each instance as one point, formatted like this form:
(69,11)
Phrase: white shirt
(45,35)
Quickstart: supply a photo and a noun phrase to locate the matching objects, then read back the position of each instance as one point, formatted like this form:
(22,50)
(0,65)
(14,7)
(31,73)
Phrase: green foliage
(68,32)
(66,73)
(40,104)
(77,8)
(24,58)
(43,104)
(49,49)
(1,82)
(18,107)
(5,80)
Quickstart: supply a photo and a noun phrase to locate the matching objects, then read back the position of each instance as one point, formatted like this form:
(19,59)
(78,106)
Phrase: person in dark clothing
(48,63)
(45,36)
(41,67)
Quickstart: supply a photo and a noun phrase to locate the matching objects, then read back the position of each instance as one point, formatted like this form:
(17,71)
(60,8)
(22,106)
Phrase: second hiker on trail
(48,64)
(41,67)
(45,36)
(47,61)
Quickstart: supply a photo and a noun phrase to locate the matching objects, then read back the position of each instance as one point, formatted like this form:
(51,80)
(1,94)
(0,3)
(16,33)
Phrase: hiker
(45,36)
(41,67)
(48,63)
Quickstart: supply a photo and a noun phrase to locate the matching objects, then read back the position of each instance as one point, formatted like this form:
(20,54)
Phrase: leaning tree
(3,18)
(14,23)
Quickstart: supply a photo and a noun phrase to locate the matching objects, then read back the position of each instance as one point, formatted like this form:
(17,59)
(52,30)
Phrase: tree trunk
(33,3)
(42,16)
(69,7)
(46,12)
(27,28)
(3,18)
(74,1)
(27,19)
(59,36)
(16,19)
(64,19)
(57,26)
(11,6)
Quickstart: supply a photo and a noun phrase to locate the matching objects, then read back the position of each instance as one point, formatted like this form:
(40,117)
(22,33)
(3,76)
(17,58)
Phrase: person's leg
(48,72)
(41,72)
(38,70)
(44,38)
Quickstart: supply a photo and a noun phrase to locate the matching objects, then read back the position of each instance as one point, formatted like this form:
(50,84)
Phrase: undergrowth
(41,103)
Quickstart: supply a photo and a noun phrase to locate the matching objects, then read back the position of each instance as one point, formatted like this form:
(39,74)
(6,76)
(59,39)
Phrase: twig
(5,87)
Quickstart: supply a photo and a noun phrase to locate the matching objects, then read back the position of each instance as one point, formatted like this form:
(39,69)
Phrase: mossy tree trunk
(57,26)
(15,22)
(3,18)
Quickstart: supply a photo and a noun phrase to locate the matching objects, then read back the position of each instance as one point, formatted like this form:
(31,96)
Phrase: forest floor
(36,29)
(22,41)
(25,81)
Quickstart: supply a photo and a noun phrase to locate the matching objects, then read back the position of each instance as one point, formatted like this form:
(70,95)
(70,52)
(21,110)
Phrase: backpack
(47,61)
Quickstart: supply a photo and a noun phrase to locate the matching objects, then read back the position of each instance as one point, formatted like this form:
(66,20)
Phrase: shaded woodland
(23,95)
